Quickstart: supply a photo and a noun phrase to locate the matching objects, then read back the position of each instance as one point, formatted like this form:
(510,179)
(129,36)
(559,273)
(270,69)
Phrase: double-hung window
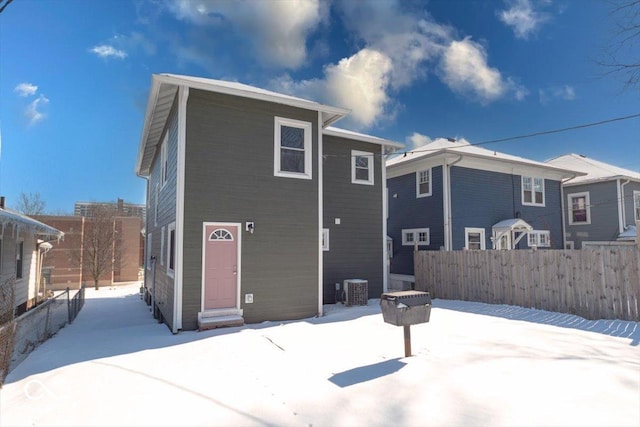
(579,208)
(19,260)
(539,238)
(532,191)
(171,249)
(474,238)
(636,205)
(423,183)
(361,167)
(292,148)
(411,236)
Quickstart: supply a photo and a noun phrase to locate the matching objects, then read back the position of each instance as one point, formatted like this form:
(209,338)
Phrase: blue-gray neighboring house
(602,206)
(450,195)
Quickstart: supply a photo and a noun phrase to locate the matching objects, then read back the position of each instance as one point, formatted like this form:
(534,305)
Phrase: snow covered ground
(473,364)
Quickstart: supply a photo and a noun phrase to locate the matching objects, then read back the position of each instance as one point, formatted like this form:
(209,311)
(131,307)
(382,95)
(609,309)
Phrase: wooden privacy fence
(601,283)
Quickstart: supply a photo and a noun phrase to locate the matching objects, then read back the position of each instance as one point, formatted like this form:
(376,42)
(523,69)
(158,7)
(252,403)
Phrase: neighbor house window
(19,259)
(164,161)
(411,236)
(149,246)
(325,239)
(171,249)
(292,148)
(474,238)
(361,167)
(423,183)
(532,191)
(155,209)
(539,238)
(636,204)
(579,208)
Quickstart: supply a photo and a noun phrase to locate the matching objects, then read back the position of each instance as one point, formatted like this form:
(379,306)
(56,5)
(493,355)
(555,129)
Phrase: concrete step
(211,322)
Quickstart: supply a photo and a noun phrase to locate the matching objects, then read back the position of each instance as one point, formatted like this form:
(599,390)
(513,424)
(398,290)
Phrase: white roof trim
(38,228)
(515,224)
(343,133)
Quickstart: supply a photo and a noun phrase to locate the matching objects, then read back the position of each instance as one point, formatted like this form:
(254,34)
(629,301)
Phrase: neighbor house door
(220,266)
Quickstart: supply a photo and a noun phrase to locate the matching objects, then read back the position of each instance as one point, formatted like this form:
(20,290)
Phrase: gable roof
(164,88)
(475,156)
(11,217)
(593,170)
(343,133)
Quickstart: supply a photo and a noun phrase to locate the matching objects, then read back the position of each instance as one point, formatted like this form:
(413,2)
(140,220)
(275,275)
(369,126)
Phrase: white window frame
(414,233)
(325,239)
(533,191)
(636,205)
(370,162)
(19,244)
(418,182)
(307,127)
(162,246)
(534,238)
(171,227)
(587,202)
(149,248)
(164,162)
(472,230)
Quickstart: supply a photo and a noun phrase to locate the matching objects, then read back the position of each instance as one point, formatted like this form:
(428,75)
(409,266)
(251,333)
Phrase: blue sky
(74,77)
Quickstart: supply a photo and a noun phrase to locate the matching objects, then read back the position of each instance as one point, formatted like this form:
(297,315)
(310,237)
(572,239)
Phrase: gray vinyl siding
(629,211)
(408,211)
(604,226)
(229,177)
(356,245)
(164,284)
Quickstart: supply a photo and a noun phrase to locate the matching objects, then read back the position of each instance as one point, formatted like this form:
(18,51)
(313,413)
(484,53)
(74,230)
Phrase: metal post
(68,305)
(407,341)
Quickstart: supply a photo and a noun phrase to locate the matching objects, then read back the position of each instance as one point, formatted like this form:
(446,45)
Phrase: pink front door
(220,266)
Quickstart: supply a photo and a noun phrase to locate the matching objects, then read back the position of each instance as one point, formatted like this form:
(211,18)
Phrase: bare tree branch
(30,204)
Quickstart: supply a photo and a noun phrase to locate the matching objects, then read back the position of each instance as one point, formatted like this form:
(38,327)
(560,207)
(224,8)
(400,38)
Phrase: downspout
(564,213)
(621,208)
(385,212)
(446,183)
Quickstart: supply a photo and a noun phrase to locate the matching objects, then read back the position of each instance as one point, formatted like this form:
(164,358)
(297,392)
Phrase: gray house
(450,195)
(256,207)
(602,205)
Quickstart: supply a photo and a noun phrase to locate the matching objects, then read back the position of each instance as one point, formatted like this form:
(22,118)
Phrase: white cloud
(522,18)
(26,89)
(34,112)
(417,140)
(359,83)
(108,51)
(276,30)
(464,69)
(565,93)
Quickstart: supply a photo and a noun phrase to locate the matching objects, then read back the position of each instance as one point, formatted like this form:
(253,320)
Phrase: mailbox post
(406,308)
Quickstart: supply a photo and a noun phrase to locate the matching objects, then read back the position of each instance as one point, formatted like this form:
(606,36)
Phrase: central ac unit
(356,291)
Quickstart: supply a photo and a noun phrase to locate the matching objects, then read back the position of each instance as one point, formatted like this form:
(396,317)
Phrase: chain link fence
(20,336)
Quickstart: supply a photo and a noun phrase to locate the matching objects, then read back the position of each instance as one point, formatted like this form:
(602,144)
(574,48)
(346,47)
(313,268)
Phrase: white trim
(171,272)
(415,232)
(183,96)
(164,162)
(481,231)
(445,204)
(370,167)
(636,200)
(533,191)
(620,195)
(162,245)
(20,240)
(155,208)
(587,201)
(534,238)
(343,133)
(325,239)
(205,238)
(430,175)
(385,216)
(320,215)
(278,122)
